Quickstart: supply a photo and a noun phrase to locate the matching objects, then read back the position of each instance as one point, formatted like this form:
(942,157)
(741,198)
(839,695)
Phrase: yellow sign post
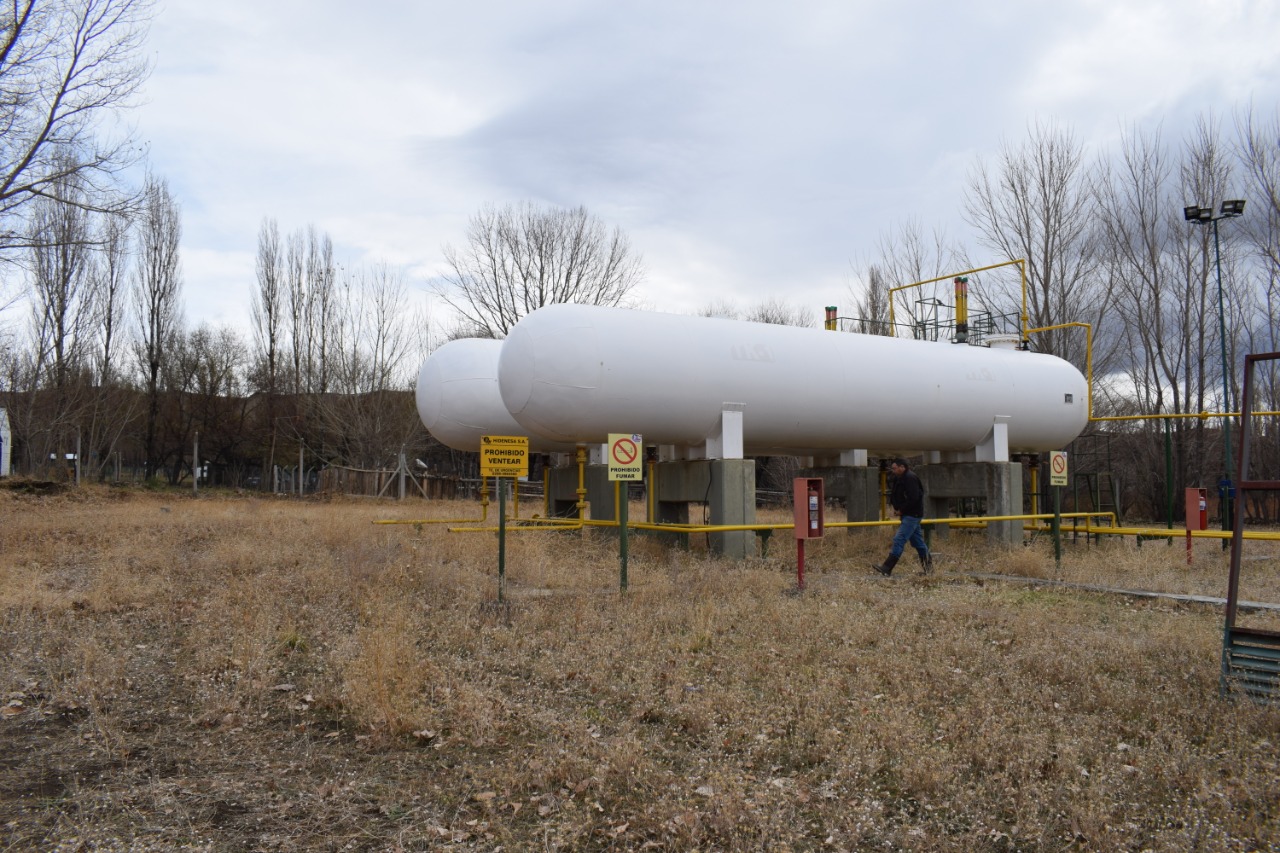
(625,466)
(504,456)
(1057,479)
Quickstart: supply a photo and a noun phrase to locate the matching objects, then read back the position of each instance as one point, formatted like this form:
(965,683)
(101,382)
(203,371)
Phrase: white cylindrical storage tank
(576,373)
(458,399)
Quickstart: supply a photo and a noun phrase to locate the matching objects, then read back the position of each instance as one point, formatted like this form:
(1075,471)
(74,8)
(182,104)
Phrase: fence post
(402,471)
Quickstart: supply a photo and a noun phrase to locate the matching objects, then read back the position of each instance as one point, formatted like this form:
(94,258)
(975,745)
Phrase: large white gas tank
(458,399)
(575,373)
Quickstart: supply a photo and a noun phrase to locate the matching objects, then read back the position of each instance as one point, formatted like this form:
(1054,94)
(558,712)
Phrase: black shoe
(886,568)
(926,563)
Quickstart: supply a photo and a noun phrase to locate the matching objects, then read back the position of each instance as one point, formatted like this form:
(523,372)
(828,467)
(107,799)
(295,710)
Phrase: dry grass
(250,674)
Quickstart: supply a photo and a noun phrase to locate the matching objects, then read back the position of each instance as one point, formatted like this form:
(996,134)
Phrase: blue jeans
(909,529)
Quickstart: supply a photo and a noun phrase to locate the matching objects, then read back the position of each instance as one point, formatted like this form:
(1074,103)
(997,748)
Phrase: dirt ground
(238,674)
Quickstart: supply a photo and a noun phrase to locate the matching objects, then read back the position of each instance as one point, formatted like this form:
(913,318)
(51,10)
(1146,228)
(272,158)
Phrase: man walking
(907,499)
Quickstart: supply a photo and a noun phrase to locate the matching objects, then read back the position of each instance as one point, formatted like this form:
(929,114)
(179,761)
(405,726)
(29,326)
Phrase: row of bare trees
(104,365)
(342,344)
(1104,241)
(97,360)
(67,67)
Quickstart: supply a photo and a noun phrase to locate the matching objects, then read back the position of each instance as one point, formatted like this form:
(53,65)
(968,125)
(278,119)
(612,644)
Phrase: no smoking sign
(624,456)
(1058,468)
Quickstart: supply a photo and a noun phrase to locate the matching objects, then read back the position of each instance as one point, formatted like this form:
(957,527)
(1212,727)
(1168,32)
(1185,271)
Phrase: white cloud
(751,151)
(1138,60)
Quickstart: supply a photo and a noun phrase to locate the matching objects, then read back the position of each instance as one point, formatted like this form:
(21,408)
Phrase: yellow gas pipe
(1035,490)
(582,482)
(652,495)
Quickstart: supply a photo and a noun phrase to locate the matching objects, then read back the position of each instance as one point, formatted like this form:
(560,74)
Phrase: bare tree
(111,288)
(320,287)
(778,313)
(309,273)
(61,323)
(203,379)
(295,271)
(1258,147)
(268,305)
(374,335)
(871,307)
(1146,247)
(723,308)
(1206,177)
(1138,256)
(367,418)
(772,311)
(113,406)
(65,65)
(157,299)
(61,287)
(905,255)
(521,257)
(1036,204)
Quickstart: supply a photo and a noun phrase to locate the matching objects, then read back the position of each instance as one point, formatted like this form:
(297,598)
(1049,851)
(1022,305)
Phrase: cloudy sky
(750,150)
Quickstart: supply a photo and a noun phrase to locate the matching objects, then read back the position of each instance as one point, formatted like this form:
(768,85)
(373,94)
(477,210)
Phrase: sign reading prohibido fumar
(504,456)
(1057,468)
(624,457)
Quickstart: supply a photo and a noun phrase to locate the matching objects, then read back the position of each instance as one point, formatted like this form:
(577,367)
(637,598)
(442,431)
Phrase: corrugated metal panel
(1251,663)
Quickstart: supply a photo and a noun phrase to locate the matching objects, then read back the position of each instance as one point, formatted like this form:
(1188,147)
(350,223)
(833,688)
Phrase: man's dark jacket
(907,495)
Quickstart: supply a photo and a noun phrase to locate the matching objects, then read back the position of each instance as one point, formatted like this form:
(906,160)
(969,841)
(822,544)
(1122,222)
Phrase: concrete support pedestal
(562,489)
(999,482)
(728,486)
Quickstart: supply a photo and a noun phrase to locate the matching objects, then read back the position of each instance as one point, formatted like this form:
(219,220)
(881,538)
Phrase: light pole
(1199,216)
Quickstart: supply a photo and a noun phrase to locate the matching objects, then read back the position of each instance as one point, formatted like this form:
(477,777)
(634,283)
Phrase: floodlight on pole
(1199,216)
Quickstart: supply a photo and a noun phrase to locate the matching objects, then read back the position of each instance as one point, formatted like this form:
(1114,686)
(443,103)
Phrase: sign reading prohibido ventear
(504,456)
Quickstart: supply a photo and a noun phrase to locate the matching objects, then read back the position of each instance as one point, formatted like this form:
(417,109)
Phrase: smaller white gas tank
(458,399)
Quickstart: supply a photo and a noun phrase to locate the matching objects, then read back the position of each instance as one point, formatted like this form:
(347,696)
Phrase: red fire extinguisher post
(809,507)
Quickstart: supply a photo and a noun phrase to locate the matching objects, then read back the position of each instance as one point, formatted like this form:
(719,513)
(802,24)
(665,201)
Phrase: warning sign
(504,456)
(624,457)
(1057,468)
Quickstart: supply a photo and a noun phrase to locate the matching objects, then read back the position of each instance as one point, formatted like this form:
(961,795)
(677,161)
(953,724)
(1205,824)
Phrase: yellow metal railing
(1022,268)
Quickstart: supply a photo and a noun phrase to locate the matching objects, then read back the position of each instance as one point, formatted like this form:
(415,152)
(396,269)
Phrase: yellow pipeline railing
(1088,528)
(1088,356)
(1088,331)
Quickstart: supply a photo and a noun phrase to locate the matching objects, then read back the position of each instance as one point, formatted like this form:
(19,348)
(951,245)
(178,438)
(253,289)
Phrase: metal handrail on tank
(1022,268)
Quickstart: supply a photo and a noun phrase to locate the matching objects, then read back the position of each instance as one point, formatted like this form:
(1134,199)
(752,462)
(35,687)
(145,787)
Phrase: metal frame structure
(1250,656)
